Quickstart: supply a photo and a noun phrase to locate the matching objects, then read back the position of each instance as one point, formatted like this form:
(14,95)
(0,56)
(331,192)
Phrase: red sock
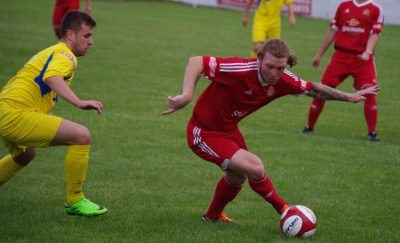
(316,108)
(371,112)
(224,193)
(266,190)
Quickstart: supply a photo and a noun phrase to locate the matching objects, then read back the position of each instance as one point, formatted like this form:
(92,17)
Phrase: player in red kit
(238,88)
(62,7)
(355,30)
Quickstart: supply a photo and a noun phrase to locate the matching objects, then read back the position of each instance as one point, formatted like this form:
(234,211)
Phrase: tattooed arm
(323,92)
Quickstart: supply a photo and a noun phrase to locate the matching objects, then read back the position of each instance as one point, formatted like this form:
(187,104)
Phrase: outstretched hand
(360,95)
(176,103)
(91,105)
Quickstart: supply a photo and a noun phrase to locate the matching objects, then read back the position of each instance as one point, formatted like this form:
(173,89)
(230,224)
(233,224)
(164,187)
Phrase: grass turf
(140,167)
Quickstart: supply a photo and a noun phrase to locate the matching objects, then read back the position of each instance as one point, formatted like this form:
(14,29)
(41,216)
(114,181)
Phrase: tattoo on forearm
(323,92)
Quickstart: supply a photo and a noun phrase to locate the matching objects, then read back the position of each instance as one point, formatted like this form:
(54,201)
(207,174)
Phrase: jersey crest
(353,22)
(70,57)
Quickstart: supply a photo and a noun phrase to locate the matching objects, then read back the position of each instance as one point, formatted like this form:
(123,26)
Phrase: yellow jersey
(27,89)
(270,10)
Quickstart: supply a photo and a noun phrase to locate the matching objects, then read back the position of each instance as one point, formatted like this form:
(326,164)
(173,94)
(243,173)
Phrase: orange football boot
(221,218)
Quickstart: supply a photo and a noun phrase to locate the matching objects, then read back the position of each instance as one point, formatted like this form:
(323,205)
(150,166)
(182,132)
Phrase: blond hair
(279,49)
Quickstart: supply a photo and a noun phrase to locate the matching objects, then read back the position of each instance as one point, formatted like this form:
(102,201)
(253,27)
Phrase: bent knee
(83,136)
(257,172)
(248,164)
(256,169)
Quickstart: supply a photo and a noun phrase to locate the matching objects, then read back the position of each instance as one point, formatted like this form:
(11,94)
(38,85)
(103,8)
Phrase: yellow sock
(8,168)
(76,162)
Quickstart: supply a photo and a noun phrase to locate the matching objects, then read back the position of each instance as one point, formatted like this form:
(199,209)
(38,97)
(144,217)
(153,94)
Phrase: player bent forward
(26,102)
(238,88)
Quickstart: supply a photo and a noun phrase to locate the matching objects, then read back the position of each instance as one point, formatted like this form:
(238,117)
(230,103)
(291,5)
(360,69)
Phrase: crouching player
(238,88)
(26,102)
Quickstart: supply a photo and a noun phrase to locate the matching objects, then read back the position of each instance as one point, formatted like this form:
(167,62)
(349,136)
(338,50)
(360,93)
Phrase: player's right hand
(88,9)
(245,20)
(176,103)
(316,61)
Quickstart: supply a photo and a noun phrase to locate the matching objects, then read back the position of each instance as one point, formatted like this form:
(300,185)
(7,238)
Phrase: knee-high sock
(371,112)
(224,193)
(8,168)
(316,108)
(76,162)
(267,191)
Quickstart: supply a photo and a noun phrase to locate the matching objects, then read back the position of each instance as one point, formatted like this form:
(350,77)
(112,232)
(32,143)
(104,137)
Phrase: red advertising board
(300,7)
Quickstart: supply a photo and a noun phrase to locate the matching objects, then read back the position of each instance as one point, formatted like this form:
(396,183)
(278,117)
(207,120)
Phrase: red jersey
(354,23)
(62,7)
(237,90)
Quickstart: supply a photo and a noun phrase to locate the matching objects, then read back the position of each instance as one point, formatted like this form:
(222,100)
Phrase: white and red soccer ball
(298,221)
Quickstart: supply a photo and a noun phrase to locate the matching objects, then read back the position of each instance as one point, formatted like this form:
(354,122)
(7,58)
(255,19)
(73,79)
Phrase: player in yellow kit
(267,20)
(26,122)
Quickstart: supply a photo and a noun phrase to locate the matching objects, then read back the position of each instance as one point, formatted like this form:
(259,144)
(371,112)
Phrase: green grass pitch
(140,167)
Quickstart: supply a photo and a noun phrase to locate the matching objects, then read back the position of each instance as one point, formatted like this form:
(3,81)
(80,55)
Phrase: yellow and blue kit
(26,100)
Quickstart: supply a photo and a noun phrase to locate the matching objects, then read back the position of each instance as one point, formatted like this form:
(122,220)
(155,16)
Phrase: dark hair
(73,20)
(279,49)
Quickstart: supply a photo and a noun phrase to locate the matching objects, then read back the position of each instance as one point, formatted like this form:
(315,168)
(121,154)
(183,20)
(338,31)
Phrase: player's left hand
(360,95)
(88,9)
(365,56)
(245,20)
(91,105)
(292,21)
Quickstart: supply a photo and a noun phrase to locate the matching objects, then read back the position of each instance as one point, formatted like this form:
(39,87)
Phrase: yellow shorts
(262,30)
(21,128)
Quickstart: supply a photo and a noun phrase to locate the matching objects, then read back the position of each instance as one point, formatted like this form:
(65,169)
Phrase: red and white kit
(62,7)
(354,23)
(236,91)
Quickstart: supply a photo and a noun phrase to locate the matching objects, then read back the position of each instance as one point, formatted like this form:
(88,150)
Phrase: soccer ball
(298,221)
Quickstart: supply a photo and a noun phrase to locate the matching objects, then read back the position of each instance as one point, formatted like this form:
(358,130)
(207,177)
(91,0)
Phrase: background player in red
(238,88)
(355,29)
(62,7)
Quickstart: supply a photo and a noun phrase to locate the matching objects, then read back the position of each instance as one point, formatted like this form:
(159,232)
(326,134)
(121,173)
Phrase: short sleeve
(62,64)
(335,21)
(209,66)
(296,85)
(228,70)
(378,21)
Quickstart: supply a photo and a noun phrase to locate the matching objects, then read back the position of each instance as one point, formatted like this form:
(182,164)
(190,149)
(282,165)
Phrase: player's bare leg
(249,164)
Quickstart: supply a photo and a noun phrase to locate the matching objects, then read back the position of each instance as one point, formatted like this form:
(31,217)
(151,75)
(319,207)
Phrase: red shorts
(216,147)
(344,64)
(62,7)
